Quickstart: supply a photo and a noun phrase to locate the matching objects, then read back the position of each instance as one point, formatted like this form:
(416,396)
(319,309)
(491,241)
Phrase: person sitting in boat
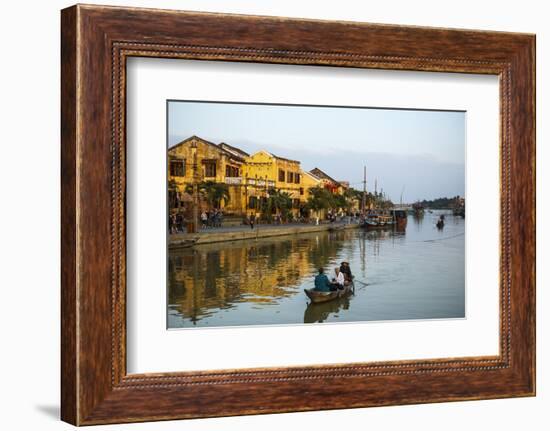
(346,270)
(322,283)
(339,280)
(441,222)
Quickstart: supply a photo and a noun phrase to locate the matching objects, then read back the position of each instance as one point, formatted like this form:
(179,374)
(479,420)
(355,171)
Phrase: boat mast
(364,199)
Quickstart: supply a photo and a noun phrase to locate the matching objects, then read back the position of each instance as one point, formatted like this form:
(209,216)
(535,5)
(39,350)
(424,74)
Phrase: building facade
(197,160)
(249,178)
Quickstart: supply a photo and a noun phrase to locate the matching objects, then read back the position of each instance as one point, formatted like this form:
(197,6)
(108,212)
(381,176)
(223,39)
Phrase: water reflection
(417,274)
(318,313)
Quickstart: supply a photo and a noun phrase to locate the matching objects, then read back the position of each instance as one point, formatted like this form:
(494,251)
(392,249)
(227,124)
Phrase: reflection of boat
(320,312)
(318,297)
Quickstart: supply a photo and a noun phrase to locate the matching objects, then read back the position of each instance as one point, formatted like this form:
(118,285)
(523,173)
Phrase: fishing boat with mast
(400,215)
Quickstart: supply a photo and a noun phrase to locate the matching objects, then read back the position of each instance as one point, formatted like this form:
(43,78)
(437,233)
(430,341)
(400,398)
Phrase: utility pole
(364,200)
(195,188)
(245,194)
(376,192)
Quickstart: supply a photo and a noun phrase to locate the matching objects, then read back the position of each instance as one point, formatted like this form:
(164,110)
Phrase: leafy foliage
(441,203)
(278,202)
(212,192)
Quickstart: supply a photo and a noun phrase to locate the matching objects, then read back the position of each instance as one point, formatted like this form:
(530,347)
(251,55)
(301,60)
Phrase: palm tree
(212,192)
(278,201)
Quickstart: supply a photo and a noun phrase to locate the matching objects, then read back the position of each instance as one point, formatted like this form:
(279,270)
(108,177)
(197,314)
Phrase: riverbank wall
(190,239)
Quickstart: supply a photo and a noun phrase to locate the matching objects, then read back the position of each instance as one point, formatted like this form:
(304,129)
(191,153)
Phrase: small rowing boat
(318,297)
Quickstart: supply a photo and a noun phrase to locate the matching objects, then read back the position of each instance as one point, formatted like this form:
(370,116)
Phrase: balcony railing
(260,183)
(233,180)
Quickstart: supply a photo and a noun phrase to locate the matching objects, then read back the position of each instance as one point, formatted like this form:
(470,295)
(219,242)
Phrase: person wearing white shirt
(339,279)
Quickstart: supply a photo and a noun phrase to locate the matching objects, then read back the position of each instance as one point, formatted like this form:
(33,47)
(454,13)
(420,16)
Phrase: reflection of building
(249,178)
(217,276)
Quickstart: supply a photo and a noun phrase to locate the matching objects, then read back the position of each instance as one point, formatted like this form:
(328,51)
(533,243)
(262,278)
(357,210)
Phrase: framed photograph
(325,215)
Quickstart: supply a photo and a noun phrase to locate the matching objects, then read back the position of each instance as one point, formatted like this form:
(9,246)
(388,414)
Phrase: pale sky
(419,153)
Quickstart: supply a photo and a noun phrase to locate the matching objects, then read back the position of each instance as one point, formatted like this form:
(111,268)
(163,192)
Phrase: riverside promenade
(242,232)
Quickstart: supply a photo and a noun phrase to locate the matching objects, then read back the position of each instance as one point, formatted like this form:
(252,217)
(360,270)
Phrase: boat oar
(362,282)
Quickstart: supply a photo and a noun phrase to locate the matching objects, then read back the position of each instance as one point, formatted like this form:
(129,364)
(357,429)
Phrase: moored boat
(400,217)
(379,220)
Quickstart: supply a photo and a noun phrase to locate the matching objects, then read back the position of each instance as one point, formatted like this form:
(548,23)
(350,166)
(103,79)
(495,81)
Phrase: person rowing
(346,270)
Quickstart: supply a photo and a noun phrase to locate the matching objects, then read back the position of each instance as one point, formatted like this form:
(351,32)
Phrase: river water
(415,274)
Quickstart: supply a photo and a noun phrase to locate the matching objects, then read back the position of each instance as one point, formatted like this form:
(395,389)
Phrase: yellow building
(309,181)
(328,182)
(249,177)
(205,161)
(264,170)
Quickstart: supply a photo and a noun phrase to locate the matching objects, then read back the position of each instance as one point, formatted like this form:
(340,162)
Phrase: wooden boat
(418,209)
(400,217)
(183,243)
(379,221)
(319,297)
(335,228)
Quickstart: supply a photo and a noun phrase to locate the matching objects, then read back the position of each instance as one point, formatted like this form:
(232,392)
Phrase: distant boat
(441,222)
(418,208)
(459,212)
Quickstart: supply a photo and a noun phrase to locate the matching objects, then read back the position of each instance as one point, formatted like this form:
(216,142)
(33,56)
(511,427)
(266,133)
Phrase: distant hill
(441,203)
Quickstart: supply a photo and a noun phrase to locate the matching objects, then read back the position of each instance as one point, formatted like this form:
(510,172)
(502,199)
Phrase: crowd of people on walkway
(177,223)
(212,218)
(348,217)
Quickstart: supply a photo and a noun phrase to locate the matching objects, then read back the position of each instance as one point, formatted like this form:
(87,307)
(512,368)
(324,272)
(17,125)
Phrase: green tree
(213,193)
(320,199)
(278,202)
